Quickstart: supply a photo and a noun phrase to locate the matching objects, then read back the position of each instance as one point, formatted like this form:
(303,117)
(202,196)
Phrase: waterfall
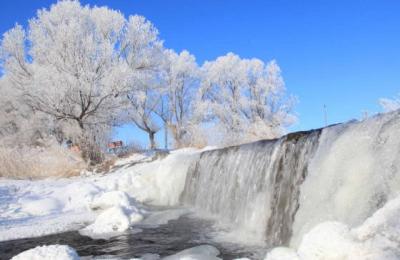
(255,186)
(279,189)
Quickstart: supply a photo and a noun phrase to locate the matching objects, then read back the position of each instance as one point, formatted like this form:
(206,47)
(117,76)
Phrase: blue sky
(345,54)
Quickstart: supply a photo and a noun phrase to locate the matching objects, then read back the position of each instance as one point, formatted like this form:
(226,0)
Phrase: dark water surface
(164,240)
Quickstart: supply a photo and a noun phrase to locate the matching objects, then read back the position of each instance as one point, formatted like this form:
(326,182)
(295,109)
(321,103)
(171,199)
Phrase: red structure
(115,146)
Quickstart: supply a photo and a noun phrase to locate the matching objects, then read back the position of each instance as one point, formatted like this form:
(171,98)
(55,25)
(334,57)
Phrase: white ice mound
(111,222)
(282,253)
(384,223)
(118,212)
(378,238)
(328,241)
(203,252)
(110,199)
(53,252)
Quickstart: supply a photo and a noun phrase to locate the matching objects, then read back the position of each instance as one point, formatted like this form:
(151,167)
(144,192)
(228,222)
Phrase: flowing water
(275,191)
(254,186)
(163,240)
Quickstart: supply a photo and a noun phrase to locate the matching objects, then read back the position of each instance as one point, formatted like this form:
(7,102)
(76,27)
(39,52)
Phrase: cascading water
(254,186)
(278,190)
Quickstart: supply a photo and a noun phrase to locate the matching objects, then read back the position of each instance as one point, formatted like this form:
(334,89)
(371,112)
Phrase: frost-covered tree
(244,99)
(77,70)
(19,124)
(143,102)
(77,64)
(390,104)
(67,62)
(142,51)
(181,80)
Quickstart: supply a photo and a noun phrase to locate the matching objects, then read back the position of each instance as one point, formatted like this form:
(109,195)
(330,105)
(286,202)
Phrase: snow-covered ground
(96,205)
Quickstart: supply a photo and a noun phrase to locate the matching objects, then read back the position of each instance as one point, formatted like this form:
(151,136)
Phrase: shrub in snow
(51,160)
(52,252)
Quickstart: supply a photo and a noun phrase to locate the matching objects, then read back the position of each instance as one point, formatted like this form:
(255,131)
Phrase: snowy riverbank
(104,206)
(109,203)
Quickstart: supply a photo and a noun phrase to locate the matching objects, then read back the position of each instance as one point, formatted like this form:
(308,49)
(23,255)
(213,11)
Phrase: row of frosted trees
(77,71)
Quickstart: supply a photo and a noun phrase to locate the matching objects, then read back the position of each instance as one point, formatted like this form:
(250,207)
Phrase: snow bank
(377,238)
(52,252)
(37,206)
(136,157)
(110,202)
(45,225)
(160,182)
(110,199)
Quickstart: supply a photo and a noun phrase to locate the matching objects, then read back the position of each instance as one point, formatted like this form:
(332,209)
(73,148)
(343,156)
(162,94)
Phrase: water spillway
(277,190)
(255,186)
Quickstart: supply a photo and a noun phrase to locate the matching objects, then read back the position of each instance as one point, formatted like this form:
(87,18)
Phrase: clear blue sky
(345,54)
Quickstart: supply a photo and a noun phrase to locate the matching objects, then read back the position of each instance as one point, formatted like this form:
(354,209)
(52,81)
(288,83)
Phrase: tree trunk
(80,123)
(152,141)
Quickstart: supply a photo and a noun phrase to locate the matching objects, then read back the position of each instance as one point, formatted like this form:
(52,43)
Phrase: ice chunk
(52,252)
(328,240)
(109,223)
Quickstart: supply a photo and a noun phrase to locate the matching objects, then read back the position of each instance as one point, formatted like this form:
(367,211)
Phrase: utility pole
(365,115)
(165,136)
(325,115)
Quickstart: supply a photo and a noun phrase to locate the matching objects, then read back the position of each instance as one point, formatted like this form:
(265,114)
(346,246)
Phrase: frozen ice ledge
(278,190)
